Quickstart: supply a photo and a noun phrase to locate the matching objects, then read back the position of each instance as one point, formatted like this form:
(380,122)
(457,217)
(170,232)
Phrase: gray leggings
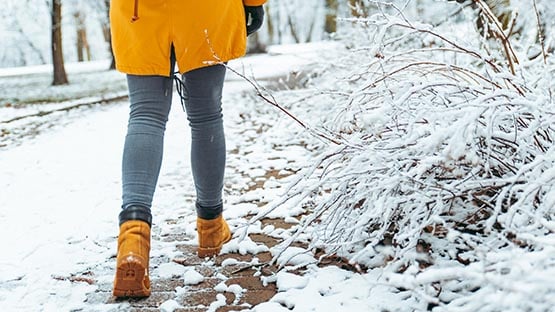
(150,98)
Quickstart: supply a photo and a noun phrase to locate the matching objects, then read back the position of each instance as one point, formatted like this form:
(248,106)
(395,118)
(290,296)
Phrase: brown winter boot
(212,234)
(132,262)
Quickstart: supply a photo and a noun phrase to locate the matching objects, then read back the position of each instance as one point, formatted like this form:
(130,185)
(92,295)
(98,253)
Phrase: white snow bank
(169,306)
(192,277)
(321,289)
(169,270)
(295,256)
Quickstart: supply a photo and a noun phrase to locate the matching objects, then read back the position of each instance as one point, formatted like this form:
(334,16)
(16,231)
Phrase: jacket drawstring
(135,16)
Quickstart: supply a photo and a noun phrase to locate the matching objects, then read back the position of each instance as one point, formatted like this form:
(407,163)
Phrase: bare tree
(24,40)
(270,23)
(331,16)
(19,47)
(254,45)
(83,48)
(107,33)
(60,76)
(293,21)
(100,10)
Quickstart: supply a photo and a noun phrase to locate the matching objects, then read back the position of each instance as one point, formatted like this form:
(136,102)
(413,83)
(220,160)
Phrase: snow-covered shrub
(443,162)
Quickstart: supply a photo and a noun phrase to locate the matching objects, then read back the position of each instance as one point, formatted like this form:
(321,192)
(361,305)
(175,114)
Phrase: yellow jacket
(200,30)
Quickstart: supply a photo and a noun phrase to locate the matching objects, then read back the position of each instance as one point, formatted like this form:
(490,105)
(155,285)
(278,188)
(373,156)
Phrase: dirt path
(63,256)
(237,270)
(251,186)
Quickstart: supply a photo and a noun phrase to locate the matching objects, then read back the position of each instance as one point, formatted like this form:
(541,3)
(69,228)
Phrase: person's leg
(203,102)
(203,93)
(150,98)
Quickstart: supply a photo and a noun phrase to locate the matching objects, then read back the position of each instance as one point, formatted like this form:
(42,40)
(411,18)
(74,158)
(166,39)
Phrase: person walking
(148,38)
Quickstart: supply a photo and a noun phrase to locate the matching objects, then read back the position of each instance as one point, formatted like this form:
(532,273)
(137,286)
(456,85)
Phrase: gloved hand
(255,17)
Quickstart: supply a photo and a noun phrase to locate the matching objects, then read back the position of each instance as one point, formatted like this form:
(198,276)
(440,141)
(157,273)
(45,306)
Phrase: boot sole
(203,252)
(130,278)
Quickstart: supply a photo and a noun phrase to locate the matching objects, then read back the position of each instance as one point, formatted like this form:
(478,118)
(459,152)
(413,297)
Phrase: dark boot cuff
(135,213)
(209,213)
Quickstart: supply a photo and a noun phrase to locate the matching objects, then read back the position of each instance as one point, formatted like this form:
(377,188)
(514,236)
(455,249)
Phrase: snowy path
(60,197)
(60,194)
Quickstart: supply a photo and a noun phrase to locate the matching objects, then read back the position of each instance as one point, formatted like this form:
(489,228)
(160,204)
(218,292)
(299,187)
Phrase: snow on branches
(448,174)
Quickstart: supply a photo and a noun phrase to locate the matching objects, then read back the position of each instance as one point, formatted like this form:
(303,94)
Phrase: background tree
(60,76)
(255,45)
(292,21)
(107,32)
(330,26)
(19,24)
(83,48)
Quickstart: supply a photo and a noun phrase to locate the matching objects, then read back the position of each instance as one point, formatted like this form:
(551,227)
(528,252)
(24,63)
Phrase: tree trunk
(254,45)
(60,76)
(80,45)
(269,23)
(330,26)
(80,57)
(293,29)
(83,49)
(108,35)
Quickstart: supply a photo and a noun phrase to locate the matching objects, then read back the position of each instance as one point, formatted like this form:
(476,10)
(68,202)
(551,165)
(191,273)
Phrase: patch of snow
(169,270)
(295,256)
(243,247)
(237,290)
(324,289)
(220,302)
(192,277)
(229,261)
(286,281)
(169,306)
(238,210)
(270,307)
(221,287)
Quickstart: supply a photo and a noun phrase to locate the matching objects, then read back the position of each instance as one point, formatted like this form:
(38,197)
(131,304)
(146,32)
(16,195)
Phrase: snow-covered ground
(439,189)
(60,191)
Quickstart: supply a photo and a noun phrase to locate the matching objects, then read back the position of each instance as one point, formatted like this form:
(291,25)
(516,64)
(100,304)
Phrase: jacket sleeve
(253,2)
